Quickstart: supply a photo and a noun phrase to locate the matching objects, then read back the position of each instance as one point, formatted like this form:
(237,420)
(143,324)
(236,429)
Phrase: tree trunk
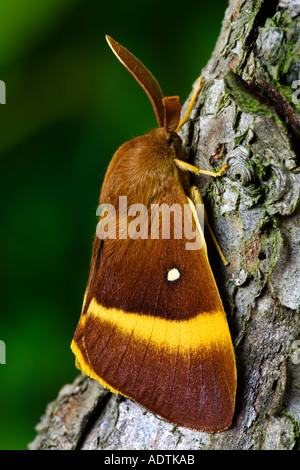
(246,114)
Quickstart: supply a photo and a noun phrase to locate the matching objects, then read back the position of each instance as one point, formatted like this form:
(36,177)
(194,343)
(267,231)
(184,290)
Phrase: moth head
(176,149)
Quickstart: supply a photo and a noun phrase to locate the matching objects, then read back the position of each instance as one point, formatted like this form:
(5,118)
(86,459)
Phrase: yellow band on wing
(201,332)
(86,369)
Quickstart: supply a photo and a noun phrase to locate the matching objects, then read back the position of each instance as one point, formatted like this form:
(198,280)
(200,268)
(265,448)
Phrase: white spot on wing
(173,274)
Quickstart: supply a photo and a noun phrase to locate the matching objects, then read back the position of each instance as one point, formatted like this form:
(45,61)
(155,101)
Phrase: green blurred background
(69,105)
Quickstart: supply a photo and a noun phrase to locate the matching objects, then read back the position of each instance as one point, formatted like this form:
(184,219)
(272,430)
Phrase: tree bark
(246,115)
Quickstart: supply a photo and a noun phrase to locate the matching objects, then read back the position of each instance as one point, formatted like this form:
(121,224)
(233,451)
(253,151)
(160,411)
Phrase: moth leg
(193,169)
(191,104)
(197,199)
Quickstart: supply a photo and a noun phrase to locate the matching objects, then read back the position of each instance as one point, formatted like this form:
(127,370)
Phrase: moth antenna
(142,75)
(172,112)
(167,110)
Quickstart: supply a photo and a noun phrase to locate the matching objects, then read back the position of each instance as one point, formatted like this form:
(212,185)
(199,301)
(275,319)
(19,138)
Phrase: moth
(152,326)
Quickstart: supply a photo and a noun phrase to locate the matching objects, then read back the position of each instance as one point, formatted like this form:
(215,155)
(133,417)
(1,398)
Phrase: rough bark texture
(247,114)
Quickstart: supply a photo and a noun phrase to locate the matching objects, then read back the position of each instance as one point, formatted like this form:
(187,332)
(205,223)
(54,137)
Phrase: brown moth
(153,326)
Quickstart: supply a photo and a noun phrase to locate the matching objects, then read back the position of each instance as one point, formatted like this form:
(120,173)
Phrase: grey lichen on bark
(247,115)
